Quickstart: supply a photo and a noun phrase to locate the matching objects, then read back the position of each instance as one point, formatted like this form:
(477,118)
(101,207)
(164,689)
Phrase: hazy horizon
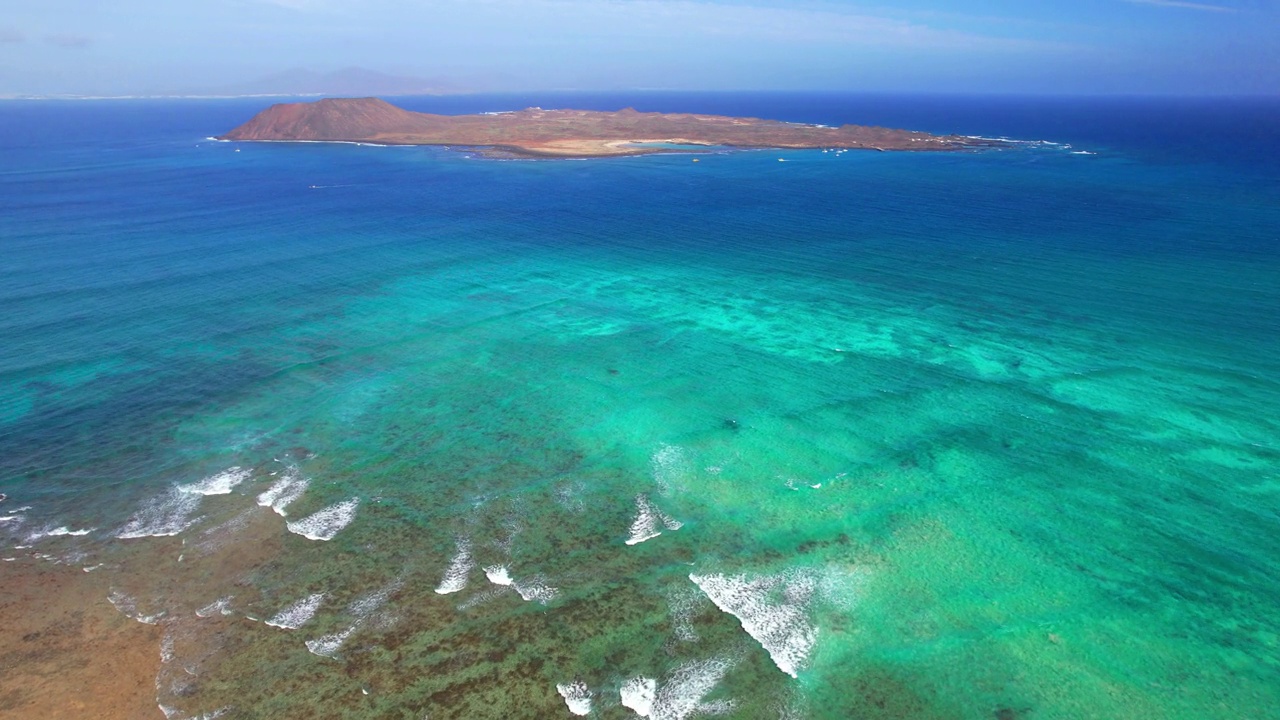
(1089,47)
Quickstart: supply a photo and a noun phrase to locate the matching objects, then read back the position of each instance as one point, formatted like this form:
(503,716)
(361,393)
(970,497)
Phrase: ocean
(407,433)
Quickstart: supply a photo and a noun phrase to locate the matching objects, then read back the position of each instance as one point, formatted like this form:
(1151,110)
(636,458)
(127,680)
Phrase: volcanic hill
(566,133)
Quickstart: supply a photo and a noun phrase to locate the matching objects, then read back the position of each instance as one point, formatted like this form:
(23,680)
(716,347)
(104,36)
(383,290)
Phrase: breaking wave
(645,526)
(577,696)
(455,576)
(128,607)
(498,574)
(62,531)
(220,484)
(162,516)
(327,523)
(284,491)
(362,608)
(221,606)
(535,589)
(638,694)
(772,609)
(329,645)
(680,694)
(297,614)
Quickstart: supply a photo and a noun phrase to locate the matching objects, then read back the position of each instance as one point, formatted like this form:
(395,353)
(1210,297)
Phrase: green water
(998,514)
(967,436)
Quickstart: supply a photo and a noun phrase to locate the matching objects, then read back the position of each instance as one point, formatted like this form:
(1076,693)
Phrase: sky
(124,47)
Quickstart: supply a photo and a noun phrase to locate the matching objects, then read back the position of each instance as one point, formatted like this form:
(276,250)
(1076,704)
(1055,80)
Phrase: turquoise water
(973,435)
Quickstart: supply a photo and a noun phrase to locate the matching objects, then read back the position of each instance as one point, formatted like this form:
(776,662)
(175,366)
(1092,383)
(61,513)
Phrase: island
(535,132)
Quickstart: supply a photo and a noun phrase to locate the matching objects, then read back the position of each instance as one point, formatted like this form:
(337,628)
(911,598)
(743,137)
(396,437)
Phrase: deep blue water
(988,431)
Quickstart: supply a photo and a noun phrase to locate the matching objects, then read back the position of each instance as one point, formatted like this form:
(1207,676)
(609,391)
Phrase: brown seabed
(66,653)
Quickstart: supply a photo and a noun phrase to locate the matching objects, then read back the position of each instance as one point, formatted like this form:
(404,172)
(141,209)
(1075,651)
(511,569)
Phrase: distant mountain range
(348,82)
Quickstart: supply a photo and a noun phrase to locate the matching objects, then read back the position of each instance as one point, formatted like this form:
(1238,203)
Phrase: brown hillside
(565,133)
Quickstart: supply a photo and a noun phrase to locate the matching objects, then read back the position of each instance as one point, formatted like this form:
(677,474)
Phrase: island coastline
(536,133)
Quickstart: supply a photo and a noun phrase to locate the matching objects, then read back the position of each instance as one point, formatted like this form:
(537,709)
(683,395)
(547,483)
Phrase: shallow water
(394,431)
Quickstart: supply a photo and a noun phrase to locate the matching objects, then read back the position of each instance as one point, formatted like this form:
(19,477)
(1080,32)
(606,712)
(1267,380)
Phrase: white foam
(366,605)
(129,608)
(220,484)
(284,491)
(213,538)
(684,602)
(842,587)
(536,589)
(670,468)
(221,606)
(648,517)
(790,710)
(170,712)
(999,139)
(484,597)
(455,576)
(513,526)
(327,523)
(772,609)
(361,609)
(638,694)
(162,516)
(680,694)
(568,496)
(716,707)
(498,574)
(645,525)
(166,647)
(329,645)
(74,533)
(577,696)
(297,614)
(62,531)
